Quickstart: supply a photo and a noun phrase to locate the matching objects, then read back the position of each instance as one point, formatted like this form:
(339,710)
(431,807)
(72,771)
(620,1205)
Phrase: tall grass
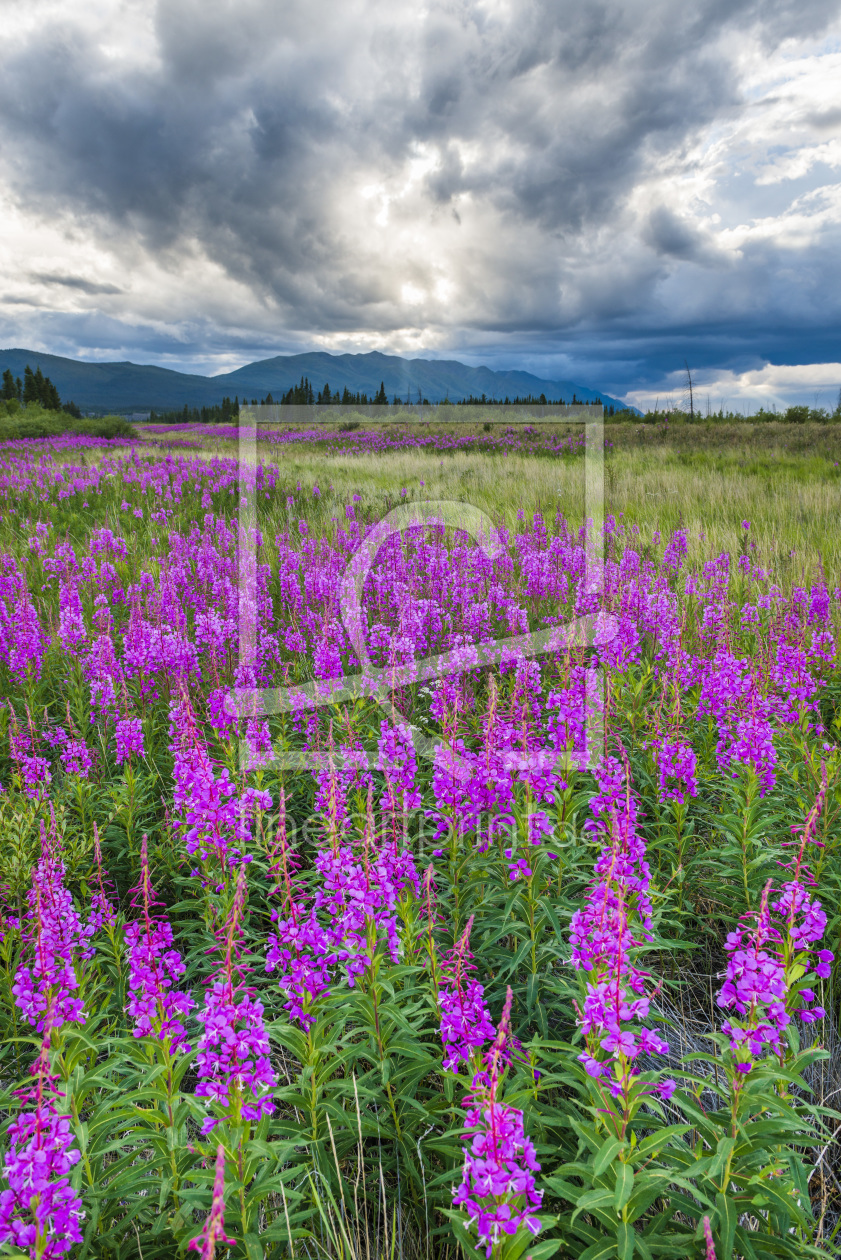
(784,479)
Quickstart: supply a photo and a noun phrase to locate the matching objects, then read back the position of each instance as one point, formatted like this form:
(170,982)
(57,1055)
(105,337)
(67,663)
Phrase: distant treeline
(304,395)
(35,388)
(529,401)
(222,413)
(801,413)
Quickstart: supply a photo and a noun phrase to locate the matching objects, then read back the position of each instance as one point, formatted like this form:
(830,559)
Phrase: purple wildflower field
(500,990)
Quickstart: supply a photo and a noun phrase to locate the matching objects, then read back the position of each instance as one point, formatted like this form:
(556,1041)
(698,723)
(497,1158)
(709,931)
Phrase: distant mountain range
(130,387)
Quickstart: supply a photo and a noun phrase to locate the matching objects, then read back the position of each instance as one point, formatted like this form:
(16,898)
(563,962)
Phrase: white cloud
(771,386)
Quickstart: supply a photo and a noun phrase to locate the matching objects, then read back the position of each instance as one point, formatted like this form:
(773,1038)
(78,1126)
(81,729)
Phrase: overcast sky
(594,191)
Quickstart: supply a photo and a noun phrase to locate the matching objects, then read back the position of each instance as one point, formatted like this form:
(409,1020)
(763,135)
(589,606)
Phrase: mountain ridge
(125,387)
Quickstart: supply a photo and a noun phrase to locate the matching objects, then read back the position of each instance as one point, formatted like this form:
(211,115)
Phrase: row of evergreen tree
(528,401)
(304,395)
(35,388)
(225,412)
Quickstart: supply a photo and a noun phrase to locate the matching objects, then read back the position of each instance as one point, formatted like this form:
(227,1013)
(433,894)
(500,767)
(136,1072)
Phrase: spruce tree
(380,399)
(30,387)
(9,387)
(50,396)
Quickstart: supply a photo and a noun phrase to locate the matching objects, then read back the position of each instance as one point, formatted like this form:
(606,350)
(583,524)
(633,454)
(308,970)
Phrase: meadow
(449,976)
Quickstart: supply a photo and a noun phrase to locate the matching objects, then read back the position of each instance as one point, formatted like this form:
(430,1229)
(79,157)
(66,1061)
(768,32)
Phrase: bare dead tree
(690,388)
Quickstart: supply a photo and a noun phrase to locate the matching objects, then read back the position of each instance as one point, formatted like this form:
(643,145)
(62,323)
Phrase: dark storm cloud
(670,235)
(246,135)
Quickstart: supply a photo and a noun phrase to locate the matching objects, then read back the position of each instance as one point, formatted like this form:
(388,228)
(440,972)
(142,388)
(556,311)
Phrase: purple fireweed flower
(760,982)
(466,1024)
(351,908)
(676,764)
(222,720)
(398,762)
(803,920)
(235,1072)
(22,637)
(346,769)
(513,762)
(34,770)
(755,988)
(497,1191)
(215,818)
(300,950)
(128,734)
(766,980)
(102,905)
(77,758)
(234,1069)
(615,920)
(56,939)
(39,1210)
(359,894)
(155,967)
(213,1231)
(735,696)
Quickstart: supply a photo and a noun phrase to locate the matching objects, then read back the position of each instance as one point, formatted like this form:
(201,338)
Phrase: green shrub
(35,422)
(106,426)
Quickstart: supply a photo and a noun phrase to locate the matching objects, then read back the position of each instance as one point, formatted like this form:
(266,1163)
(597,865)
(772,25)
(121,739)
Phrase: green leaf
(723,1152)
(607,1154)
(545,1248)
(648,1186)
(625,1240)
(624,1185)
(588,1135)
(728,1220)
(783,1202)
(593,1199)
(651,1144)
(600,1251)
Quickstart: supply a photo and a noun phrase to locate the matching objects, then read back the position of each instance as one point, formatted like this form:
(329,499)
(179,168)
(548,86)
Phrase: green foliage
(35,421)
